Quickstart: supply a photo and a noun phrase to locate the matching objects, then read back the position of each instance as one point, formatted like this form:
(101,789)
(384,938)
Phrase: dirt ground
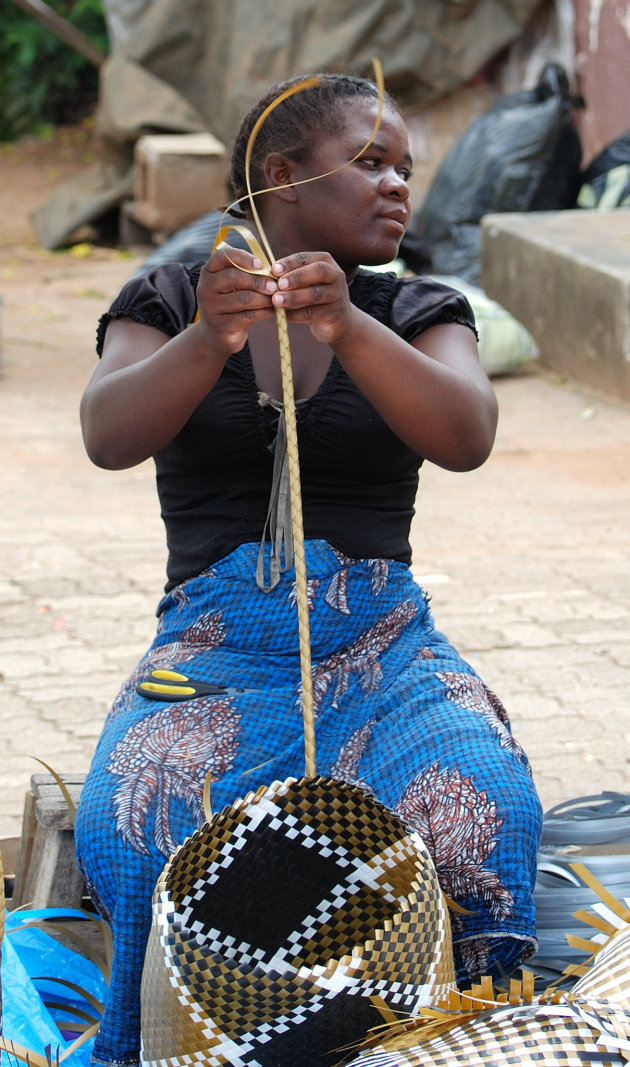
(28,171)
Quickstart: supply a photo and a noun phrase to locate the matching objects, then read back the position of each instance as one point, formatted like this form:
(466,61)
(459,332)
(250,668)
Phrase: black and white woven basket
(284,924)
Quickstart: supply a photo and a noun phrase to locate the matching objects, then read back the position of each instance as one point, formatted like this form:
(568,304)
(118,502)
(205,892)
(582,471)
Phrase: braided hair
(292,126)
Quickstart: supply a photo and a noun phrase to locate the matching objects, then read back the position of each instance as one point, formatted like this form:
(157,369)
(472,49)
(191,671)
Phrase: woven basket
(281,926)
(589,1026)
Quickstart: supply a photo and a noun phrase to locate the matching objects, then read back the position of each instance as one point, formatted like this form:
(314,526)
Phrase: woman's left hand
(431,392)
(312,288)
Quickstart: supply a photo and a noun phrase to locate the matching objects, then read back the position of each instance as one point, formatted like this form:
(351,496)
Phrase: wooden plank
(53,879)
(24,853)
(51,809)
(47,874)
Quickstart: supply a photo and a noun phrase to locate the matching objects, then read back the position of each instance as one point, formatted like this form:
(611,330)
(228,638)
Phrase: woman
(386,375)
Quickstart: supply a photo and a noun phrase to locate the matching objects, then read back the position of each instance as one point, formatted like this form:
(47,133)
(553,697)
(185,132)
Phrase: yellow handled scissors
(172,686)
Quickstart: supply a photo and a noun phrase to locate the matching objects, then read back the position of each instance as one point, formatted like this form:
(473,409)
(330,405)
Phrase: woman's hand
(433,392)
(147,384)
(231,297)
(312,288)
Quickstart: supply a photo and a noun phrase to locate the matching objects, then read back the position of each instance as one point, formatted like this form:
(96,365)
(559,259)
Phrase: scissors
(173,686)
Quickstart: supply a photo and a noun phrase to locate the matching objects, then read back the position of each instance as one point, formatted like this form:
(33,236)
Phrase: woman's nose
(394,184)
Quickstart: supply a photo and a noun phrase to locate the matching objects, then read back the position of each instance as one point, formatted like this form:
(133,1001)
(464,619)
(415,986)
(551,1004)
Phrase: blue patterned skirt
(397,712)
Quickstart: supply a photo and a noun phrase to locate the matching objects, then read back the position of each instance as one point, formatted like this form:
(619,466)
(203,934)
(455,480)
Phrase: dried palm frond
(56,922)
(94,1002)
(72,808)
(25,1055)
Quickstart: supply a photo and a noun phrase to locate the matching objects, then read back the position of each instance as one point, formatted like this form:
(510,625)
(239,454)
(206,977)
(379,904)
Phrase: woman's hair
(292,127)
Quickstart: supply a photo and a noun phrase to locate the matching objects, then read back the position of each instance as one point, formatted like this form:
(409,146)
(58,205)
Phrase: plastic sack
(606,180)
(192,242)
(28,953)
(504,343)
(522,155)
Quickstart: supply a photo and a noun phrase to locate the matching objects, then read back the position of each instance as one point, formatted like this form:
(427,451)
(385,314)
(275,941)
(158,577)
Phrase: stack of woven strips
(595,831)
(284,924)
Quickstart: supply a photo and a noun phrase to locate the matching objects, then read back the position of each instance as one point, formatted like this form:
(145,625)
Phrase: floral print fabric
(397,712)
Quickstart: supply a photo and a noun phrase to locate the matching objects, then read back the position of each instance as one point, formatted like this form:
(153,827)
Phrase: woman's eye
(371,161)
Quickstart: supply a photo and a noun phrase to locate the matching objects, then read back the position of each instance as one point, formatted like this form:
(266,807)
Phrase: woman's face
(360,213)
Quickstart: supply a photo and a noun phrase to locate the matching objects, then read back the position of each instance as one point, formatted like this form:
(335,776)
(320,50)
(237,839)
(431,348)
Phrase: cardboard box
(178,178)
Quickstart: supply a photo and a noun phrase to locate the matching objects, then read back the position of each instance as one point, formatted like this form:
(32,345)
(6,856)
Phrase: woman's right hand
(147,384)
(231,297)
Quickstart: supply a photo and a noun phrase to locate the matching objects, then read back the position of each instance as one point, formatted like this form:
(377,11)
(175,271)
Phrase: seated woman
(386,376)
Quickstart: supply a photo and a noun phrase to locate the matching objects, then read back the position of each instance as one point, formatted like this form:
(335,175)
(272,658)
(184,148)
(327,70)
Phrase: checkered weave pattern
(280,925)
(588,1027)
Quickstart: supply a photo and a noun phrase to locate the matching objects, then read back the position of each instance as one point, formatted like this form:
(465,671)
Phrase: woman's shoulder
(411,304)
(423,301)
(164,297)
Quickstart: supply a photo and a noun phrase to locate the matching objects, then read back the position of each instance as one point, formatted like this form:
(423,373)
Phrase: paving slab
(526,560)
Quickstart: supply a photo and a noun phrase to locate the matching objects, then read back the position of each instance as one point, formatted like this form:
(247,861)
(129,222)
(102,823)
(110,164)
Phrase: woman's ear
(278,171)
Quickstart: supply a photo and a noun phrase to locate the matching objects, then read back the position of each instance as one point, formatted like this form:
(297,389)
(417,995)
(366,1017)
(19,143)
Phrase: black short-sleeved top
(359,480)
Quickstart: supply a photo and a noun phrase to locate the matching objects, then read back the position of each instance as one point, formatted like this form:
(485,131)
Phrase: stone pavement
(526,560)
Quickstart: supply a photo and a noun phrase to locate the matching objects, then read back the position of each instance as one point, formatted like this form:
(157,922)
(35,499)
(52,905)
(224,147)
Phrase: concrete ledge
(566,276)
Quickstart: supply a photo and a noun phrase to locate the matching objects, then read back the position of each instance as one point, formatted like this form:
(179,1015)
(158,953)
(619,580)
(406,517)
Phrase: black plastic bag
(523,154)
(606,180)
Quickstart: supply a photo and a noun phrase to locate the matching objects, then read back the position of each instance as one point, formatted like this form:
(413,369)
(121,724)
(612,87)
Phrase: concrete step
(566,276)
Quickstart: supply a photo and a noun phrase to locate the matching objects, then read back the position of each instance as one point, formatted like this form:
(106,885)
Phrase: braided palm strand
(297,525)
(295,493)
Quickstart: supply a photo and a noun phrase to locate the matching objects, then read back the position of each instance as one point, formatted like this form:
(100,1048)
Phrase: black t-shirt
(359,480)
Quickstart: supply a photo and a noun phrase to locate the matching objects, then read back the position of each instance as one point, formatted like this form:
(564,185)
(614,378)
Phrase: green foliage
(43,81)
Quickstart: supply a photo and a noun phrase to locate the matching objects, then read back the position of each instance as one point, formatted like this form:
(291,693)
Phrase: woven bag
(587,1027)
(282,925)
